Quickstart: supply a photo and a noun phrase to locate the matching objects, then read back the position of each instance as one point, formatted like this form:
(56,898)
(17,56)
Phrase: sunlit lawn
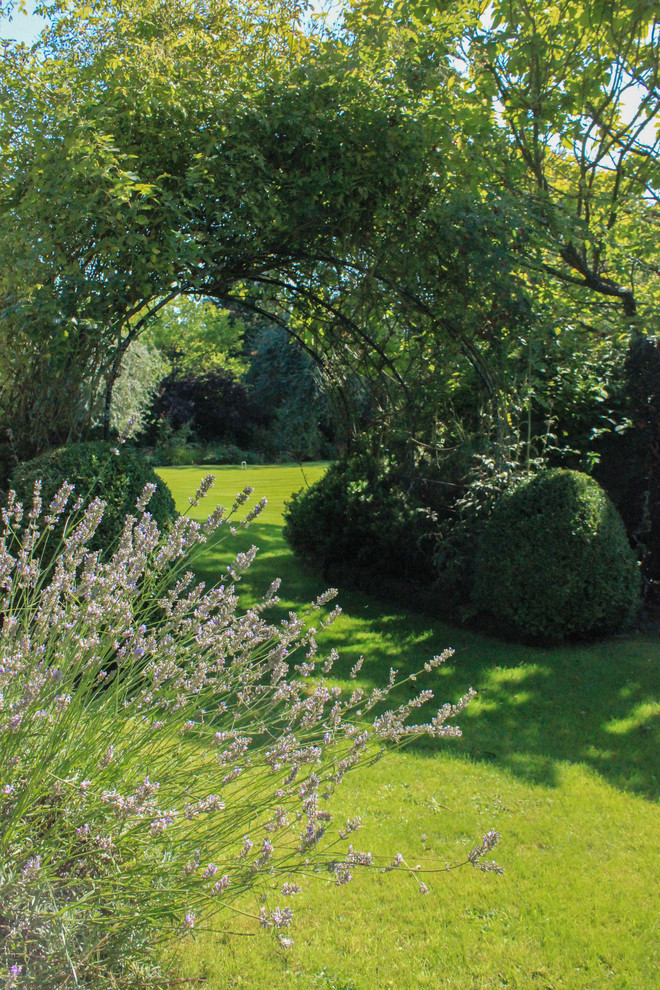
(559,754)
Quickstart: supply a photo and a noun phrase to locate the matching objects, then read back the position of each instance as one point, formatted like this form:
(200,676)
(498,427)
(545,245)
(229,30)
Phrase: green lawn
(559,754)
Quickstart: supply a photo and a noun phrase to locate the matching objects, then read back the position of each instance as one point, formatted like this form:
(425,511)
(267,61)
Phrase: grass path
(559,754)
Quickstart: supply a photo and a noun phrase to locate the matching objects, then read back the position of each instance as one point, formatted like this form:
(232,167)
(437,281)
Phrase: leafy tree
(560,172)
(251,160)
(212,406)
(557,103)
(284,385)
(198,337)
(142,370)
(574,86)
(413,222)
(576,89)
(152,151)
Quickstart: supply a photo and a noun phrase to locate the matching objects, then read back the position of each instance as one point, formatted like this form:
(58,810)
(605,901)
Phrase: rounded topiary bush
(97,469)
(554,561)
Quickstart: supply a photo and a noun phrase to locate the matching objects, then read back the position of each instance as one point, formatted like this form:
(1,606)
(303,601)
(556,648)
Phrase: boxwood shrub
(554,562)
(357,517)
(97,469)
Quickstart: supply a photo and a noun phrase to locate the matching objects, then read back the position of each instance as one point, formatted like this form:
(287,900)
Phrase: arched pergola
(148,167)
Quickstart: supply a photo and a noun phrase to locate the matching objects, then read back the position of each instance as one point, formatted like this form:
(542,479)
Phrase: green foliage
(554,560)
(198,336)
(177,455)
(461,523)
(277,408)
(464,249)
(561,74)
(118,476)
(8,464)
(356,517)
(258,163)
(251,146)
(629,463)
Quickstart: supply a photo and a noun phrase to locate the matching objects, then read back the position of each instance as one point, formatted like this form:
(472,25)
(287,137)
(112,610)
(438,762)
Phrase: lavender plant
(161,751)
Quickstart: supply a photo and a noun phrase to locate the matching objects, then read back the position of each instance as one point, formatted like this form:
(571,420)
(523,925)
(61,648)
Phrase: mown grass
(559,754)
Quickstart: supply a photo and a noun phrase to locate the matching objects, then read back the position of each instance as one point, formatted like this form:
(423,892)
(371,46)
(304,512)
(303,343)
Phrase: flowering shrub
(160,751)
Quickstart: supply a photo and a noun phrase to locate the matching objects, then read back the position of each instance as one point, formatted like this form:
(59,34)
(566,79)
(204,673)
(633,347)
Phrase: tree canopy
(432,199)
(198,336)
(152,151)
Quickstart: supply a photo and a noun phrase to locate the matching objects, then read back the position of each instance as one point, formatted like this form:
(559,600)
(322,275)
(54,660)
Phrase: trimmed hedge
(96,470)
(198,453)
(554,561)
(356,517)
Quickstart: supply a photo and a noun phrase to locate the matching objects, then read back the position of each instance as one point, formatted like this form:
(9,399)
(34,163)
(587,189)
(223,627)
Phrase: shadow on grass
(596,704)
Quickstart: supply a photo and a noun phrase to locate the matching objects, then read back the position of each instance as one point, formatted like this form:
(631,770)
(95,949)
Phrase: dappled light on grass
(639,719)
(535,706)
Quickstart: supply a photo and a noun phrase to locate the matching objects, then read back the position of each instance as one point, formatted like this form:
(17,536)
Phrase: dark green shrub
(180,455)
(629,457)
(117,478)
(461,522)
(355,516)
(554,560)
(219,453)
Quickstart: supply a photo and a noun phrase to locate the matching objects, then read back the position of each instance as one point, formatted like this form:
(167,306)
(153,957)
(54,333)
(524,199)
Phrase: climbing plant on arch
(156,149)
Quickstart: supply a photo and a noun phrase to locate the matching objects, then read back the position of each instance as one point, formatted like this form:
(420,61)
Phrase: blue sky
(24,27)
